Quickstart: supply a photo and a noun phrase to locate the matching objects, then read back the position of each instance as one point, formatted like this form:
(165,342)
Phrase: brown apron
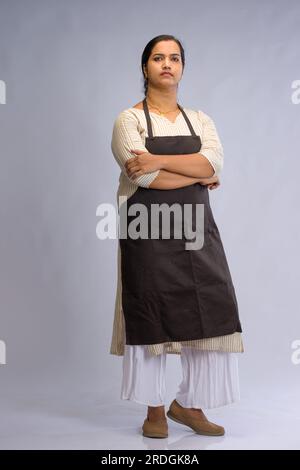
(170,293)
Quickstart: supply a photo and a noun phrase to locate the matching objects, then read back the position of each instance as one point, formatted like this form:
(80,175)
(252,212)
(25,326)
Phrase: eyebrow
(159,53)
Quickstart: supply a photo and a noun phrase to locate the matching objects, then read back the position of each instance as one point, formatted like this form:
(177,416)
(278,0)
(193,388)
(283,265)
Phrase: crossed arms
(166,171)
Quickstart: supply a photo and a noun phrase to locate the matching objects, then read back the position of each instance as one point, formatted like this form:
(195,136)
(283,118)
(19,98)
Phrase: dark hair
(148,49)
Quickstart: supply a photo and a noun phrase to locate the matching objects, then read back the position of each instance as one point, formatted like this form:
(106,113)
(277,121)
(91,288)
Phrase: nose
(166,63)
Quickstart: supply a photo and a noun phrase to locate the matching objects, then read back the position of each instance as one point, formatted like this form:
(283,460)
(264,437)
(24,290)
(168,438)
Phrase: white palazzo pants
(209,378)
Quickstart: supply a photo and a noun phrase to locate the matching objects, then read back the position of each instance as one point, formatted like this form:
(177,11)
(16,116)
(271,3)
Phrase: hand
(211,183)
(143,162)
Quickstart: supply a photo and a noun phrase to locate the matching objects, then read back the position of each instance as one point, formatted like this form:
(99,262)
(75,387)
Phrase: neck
(164,100)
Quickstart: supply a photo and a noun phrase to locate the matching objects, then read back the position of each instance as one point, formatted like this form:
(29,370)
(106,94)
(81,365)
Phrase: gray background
(70,67)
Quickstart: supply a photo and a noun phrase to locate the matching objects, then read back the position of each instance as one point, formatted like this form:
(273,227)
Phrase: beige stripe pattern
(129,132)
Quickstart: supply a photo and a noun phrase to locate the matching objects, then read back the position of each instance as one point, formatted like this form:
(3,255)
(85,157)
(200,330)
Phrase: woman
(171,299)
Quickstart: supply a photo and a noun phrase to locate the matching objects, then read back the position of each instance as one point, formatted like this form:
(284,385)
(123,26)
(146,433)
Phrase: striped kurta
(129,132)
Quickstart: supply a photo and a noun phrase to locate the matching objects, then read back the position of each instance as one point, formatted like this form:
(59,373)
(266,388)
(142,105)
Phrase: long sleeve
(211,147)
(126,137)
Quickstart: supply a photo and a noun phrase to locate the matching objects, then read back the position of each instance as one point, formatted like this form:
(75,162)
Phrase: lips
(167,73)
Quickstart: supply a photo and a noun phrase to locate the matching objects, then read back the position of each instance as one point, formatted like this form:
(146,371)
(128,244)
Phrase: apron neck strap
(148,119)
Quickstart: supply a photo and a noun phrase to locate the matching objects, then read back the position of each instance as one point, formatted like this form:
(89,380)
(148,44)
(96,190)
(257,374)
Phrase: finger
(136,175)
(133,170)
(133,167)
(129,162)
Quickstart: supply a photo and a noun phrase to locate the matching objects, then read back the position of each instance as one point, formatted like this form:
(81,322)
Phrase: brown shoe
(200,425)
(157,428)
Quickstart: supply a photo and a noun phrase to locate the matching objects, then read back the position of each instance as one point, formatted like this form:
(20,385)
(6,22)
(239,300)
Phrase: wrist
(162,161)
(208,179)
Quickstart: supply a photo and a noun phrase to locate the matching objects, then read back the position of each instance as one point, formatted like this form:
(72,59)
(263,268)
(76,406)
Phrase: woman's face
(165,57)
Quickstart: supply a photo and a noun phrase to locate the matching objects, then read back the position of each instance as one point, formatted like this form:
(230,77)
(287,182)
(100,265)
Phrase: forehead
(166,48)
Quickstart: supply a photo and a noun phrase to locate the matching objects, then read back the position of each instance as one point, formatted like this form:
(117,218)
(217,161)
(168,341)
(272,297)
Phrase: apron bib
(170,293)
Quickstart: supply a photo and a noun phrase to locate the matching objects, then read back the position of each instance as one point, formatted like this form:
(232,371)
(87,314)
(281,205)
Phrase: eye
(174,58)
